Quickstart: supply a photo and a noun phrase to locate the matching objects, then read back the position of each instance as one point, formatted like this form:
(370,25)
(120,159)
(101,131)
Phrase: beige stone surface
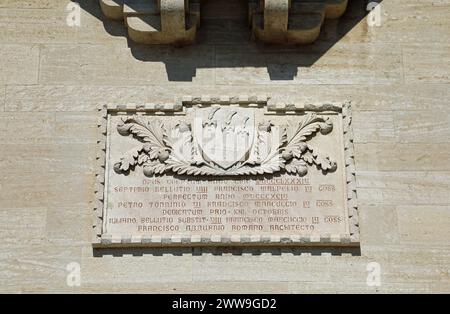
(37,25)
(29,4)
(406,22)
(90,64)
(419,65)
(19,63)
(403,156)
(52,77)
(433,221)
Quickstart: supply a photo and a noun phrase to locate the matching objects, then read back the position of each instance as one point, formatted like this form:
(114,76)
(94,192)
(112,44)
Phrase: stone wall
(53,76)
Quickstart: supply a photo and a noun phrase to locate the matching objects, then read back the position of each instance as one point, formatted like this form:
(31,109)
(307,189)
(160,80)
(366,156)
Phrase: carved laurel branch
(272,152)
(299,154)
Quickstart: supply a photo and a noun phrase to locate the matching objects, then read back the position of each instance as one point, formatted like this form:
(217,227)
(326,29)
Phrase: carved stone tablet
(230,171)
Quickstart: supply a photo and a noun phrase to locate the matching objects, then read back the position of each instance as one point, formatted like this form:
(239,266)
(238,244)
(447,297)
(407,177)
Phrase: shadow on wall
(227,36)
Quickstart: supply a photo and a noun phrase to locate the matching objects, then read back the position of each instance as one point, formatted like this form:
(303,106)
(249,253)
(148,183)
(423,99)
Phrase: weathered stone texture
(52,77)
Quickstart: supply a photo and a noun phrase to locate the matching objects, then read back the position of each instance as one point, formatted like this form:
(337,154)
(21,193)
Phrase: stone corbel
(177,21)
(276,16)
(290,21)
(158,21)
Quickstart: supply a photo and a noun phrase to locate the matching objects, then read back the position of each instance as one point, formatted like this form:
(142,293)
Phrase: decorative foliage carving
(224,141)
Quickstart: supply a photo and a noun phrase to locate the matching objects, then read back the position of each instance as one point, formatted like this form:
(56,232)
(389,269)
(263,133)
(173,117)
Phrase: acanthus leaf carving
(265,148)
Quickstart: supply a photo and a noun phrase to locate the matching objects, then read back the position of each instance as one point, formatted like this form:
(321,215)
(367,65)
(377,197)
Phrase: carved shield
(224,135)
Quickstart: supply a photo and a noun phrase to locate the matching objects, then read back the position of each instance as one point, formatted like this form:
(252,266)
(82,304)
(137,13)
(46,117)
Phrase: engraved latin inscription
(278,205)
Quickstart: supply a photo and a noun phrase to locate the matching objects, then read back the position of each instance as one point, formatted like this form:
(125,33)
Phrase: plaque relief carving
(224,141)
(228,171)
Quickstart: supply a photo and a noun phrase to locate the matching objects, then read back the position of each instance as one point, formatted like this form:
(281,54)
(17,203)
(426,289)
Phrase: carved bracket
(156,21)
(177,21)
(291,21)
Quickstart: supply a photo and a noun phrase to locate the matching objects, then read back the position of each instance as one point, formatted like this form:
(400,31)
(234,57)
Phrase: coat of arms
(224,135)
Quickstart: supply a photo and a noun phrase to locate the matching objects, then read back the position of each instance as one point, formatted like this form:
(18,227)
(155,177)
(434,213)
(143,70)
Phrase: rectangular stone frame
(348,240)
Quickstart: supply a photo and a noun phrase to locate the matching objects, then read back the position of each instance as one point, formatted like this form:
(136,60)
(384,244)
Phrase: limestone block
(374,126)
(30,4)
(47,157)
(424,224)
(90,64)
(54,190)
(430,65)
(22,225)
(423,126)
(19,64)
(37,267)
(60,232)
(403,157)
(401,22)
(343,64)
(34,128)
(385,231)
(400,188)
(37,25)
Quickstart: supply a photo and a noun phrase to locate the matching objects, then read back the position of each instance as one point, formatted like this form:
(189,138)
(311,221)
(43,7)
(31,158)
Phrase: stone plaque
(227,171)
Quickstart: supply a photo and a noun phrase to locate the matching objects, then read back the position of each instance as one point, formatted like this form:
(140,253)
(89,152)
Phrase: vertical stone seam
(402,54)
(38,79)
(5,88)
